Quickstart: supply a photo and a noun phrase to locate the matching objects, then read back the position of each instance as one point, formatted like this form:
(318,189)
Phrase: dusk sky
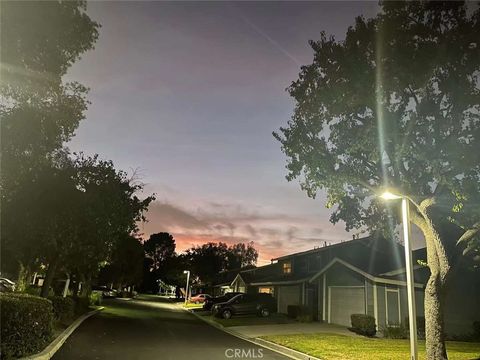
(188,94)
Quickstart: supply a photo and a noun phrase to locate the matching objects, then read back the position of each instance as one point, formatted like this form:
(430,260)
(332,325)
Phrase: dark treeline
(63,214)
(203,261)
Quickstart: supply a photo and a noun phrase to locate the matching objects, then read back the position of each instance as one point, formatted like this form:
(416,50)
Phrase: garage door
(288,295)
(345,301)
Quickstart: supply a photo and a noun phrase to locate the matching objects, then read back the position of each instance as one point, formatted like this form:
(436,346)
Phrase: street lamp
(186,289)
(412,313)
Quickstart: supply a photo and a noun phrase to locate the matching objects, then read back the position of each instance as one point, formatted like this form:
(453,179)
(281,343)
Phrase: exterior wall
(462,303)
(339,276)
(322,298)
(419,301)
(311,299)
(288,295)
(239,285)
(404,304)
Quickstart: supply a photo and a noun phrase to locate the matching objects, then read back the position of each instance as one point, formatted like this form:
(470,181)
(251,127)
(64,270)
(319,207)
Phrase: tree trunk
(434,306)
(23,277)
(440,237)
(52,267)
(86,287)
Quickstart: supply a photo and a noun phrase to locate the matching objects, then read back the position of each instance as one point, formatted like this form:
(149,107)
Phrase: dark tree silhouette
(159,248)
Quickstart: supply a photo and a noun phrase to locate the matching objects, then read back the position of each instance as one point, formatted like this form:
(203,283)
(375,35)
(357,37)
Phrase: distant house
(361,276)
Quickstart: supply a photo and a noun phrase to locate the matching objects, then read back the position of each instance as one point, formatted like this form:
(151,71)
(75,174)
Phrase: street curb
(292,354)
(53,347)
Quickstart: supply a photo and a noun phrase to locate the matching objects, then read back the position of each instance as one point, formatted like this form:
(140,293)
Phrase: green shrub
(82,304)
(395,332)
(96,298)
(363,324)
(26,324)
(33,290)
(420,327)
(63,308)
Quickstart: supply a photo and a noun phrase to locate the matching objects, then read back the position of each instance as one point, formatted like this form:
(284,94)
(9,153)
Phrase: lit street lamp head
(387,195)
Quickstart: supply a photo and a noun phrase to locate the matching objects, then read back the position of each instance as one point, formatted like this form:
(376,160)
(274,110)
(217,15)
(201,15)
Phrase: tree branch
(470,233)
(412,93)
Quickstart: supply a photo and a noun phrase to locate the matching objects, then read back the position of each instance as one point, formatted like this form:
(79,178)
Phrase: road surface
(151,328)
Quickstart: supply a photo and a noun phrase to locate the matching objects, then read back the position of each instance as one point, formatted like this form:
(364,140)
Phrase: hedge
(63,308)
(26,324)
(395,332)
(363,324)
(420,327)
(82,303)
(95,298)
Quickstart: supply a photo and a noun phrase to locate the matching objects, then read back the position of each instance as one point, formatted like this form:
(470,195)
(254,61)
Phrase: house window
(287,267)
(265,290)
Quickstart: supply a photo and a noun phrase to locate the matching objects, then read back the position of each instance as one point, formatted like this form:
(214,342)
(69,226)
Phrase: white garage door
(288,295)
(345,301)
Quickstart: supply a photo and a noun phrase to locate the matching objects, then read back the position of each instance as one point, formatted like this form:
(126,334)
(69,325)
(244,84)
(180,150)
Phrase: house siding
(288,295)
(339,275)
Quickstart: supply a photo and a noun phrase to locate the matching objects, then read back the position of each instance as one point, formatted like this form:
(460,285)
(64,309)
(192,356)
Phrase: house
(361,276)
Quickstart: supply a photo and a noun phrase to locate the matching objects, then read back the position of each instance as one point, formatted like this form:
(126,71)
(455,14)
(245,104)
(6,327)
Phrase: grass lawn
(330,346)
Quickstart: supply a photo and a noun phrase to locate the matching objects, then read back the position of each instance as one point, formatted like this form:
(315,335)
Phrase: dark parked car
(246,304)
(106,292)
(208,304)
(6,285)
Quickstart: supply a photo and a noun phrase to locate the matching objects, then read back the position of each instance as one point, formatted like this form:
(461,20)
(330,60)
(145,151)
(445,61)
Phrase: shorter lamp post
(412,313)
(186,289)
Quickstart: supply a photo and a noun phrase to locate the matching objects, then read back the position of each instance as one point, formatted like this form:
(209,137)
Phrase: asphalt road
(150,328)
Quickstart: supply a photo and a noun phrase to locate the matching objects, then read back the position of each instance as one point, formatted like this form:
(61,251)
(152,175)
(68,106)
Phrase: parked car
(6,285)
(246,304)
(208,304)
(199,299)
(106,292)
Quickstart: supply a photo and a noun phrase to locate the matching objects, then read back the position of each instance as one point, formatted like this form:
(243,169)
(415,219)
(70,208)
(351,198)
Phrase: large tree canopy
(40,41)
(396,104)
(39,112)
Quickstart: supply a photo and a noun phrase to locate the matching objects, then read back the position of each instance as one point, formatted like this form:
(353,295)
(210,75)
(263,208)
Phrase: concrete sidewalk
(296,328)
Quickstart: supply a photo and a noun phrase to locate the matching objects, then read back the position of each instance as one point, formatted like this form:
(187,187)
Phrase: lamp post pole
(186,289)
(412,313)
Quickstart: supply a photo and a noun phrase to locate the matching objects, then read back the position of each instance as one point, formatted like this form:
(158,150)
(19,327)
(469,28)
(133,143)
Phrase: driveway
(152,328)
